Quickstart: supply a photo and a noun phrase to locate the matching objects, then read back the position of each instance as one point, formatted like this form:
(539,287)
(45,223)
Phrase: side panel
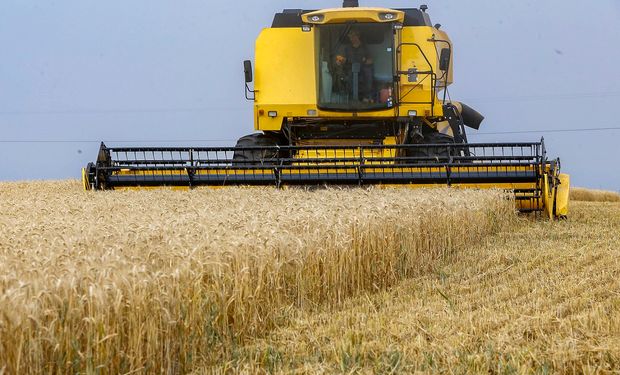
(285,76)
(416,51)
(561,205)
(444,42)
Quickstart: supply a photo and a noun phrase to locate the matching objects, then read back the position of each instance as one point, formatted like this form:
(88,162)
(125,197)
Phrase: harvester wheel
(255,157)
(429,153)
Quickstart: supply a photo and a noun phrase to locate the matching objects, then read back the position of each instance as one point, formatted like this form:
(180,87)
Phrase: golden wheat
(592,195)
(540,298)
(161,281)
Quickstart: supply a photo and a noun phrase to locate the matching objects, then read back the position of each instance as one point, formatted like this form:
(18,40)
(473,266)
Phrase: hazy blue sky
(154,70)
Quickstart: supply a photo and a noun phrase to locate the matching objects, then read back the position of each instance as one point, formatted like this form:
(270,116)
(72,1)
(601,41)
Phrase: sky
(153,72)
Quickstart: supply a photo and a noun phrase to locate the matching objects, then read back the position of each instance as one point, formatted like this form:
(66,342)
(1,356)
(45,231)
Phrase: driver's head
(354,36)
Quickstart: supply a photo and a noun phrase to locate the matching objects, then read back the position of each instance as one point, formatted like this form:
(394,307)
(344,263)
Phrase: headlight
(387,16)
(316,18)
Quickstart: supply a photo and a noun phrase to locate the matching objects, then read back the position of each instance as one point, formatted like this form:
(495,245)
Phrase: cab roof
(293,17)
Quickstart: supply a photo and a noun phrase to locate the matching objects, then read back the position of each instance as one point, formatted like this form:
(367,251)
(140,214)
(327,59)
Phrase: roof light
(316,18)
(387,16)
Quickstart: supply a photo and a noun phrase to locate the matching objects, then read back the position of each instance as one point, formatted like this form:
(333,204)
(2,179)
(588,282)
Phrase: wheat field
(592,195)
(178,281)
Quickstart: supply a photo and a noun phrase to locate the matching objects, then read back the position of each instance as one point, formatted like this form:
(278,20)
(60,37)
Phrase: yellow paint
(175,188)
(85,183)
(285,78)
(381,114)
(356,153)
(367,153)
(441,36)
(561,205)
(415,45)
(390,141)
(548,195)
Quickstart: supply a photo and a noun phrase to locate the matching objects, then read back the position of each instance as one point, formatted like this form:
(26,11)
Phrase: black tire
(256,157)
(433,153)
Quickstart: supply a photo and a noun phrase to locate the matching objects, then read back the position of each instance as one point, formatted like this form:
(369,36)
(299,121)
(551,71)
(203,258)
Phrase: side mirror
(247,70)
(444,59)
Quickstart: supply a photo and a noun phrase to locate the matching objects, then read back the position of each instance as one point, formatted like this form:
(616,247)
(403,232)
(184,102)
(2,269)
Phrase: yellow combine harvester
(349,96)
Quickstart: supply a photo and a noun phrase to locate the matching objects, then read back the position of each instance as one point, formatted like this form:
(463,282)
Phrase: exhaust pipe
(350,4)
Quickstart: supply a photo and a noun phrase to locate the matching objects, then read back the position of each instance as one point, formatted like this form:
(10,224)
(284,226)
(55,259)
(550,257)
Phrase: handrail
(447,72)
(428,73)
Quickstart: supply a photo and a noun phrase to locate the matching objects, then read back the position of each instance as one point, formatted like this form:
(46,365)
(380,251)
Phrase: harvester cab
(349,96)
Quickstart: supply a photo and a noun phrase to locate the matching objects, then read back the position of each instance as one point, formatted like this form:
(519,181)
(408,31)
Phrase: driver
(357,52)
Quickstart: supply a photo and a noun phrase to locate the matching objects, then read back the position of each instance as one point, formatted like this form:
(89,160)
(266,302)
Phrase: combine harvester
(349,96)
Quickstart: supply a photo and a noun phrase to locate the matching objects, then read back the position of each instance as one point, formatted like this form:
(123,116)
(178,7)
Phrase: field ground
(542,298)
